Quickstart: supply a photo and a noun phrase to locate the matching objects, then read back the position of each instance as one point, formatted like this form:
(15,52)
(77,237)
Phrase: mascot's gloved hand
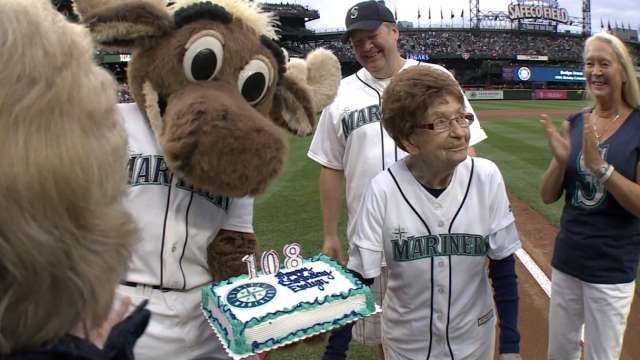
(123,335)
(225,253)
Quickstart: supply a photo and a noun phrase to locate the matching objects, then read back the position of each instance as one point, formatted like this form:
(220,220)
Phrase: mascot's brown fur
(216,91)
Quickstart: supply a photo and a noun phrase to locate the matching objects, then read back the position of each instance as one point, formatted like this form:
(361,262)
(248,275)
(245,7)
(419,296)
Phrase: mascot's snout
(207,124)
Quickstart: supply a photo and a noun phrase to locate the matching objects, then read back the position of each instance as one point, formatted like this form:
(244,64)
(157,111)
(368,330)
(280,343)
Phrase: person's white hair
(631,87)
(65,235)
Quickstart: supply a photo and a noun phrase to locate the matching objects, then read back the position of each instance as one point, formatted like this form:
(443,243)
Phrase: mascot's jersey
(436,251)
(350,136)
(176,221)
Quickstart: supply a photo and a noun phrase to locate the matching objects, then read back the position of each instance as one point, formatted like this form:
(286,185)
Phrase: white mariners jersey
(176,222)
(439,303)
(351,138)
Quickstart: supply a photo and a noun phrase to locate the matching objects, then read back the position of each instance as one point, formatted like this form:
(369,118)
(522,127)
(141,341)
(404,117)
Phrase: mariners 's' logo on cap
(354,12)
(251,295)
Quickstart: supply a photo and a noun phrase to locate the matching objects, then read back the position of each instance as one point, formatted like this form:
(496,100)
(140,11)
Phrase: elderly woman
(596,164)
(64,233)
(434,218)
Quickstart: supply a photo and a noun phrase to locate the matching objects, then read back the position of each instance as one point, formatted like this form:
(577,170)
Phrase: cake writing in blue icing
(252,314)
(304,278)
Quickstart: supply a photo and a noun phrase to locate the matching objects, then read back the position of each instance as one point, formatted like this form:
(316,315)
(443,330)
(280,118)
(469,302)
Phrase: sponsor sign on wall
(507,73)
(550,95)
(114,58)
(484,94)
(532,57)
(417,56)
(547,74)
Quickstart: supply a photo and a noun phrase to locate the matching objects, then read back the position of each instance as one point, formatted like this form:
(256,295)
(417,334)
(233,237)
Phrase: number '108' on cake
(252,315)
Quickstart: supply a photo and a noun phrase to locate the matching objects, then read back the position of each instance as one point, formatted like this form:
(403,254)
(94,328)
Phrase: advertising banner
(484,94)
(532,57)
(550,95)
(113,58)
(417,56)
(547,74)
(507,73)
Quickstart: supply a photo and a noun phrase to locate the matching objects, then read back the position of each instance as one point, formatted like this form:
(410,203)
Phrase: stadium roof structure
(288,12)
(292,18)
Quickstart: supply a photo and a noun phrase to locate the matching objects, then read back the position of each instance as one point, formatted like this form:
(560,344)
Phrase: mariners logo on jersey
(589,191)
(251,295)
(411,247)
(353,119)
(152,170)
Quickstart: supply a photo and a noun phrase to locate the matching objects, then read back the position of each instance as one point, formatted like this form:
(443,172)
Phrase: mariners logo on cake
(251,295)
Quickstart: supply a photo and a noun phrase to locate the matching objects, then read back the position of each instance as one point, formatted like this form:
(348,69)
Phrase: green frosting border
(240,345)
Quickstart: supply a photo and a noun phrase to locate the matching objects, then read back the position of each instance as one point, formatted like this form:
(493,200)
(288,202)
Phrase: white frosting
(285,298)
(303,319)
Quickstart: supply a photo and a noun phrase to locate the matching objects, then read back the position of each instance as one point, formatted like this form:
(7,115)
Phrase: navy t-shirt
(599,241)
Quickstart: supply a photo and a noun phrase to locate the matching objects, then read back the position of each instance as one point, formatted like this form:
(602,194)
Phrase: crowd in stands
(441,45)
(496,44)
(124,96)
(480,44)
(119,71)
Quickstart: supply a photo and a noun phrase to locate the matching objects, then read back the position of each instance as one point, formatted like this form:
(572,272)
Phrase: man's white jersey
(176,222)
(351,138)
(439,301)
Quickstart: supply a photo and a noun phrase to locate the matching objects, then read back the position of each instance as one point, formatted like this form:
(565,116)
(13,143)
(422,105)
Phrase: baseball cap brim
(368,25)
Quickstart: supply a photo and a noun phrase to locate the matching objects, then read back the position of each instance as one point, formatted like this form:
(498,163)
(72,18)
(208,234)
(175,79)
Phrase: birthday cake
(252,315)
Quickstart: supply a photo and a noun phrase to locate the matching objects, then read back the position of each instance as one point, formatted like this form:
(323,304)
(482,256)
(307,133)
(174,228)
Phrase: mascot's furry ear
(307,86)
(125,24)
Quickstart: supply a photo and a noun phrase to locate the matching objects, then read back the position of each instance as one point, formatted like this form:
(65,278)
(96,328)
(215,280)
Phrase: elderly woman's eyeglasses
(442,124)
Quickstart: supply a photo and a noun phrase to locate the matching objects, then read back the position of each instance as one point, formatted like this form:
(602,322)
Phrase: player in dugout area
(596,164)
(434,218)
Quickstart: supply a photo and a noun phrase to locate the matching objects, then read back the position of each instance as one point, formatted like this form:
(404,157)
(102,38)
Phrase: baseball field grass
(290,210)
(519,148)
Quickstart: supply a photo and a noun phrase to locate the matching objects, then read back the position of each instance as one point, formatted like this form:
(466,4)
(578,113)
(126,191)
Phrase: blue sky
(332,12)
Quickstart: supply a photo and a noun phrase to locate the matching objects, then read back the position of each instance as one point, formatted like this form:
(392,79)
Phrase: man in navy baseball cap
(373,35)
(366,15)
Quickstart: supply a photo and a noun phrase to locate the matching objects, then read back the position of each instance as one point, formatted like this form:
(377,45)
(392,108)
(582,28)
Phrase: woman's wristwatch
(603,173)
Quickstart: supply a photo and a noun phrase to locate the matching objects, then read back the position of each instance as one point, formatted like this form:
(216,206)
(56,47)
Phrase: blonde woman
(64,233)
(596,163)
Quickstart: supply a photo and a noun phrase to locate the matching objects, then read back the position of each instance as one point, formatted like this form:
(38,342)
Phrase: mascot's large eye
(254,80)
(203,59)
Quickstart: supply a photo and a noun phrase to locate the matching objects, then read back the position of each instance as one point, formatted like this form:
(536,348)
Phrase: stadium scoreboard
(547,74)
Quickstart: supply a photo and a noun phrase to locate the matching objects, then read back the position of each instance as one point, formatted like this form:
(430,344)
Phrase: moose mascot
(214,95)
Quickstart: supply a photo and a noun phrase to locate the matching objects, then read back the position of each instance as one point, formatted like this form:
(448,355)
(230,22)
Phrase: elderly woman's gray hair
(64,232)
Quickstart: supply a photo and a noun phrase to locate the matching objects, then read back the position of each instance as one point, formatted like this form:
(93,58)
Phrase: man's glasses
(442,124)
